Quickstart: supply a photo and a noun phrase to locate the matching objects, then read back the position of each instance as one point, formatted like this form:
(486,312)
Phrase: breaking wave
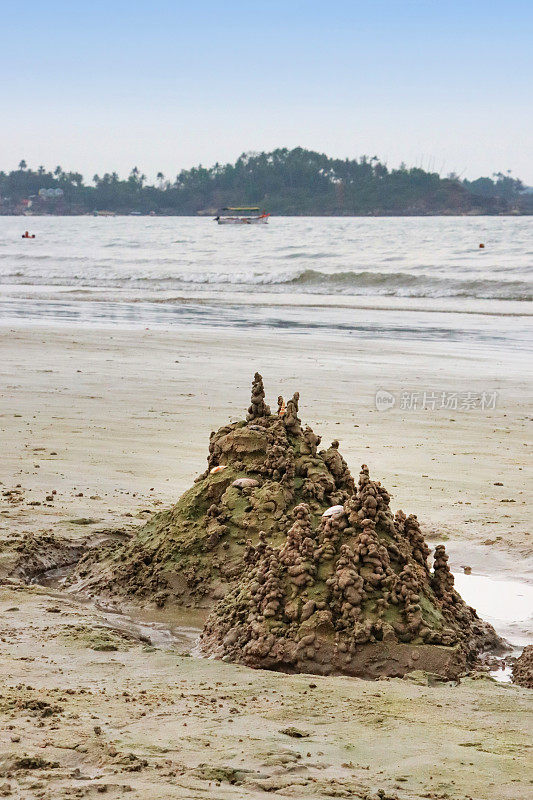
(346,282)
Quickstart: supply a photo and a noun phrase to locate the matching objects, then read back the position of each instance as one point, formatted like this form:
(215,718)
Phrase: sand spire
(258,408)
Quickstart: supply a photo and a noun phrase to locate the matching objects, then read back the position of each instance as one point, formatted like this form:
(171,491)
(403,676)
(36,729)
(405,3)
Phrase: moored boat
(242,215)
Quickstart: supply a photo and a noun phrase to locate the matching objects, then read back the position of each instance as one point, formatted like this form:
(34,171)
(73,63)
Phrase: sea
(416,278)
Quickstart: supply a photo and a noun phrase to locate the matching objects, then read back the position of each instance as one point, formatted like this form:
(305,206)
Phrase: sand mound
(258,471)
(523,668)
(354,595)
(313,573)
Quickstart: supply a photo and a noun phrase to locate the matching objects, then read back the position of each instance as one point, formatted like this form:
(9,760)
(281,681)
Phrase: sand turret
(290,418)
(523,668)
(258,408)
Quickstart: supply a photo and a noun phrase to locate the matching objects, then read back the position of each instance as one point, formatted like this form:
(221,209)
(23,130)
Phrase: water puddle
(507,605)
(53,578)
(500,593)
(176,629)
(170,629)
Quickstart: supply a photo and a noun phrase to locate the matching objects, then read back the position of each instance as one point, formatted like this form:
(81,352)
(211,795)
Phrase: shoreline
(237,297)
(366,215)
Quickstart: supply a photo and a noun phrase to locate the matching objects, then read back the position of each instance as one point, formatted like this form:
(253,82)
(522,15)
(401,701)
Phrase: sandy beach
(87,711)
(265,402)
(117,422)
(100,428)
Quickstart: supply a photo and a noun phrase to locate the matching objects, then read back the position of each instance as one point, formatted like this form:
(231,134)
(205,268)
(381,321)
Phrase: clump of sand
(353,595)
(523,668)
(258,471)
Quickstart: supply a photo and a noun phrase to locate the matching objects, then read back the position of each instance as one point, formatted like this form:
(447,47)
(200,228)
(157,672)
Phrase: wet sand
(123,419)
(86,710)
(117,423)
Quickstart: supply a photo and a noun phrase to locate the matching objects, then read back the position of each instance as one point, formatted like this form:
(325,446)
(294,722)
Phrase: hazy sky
(102,86)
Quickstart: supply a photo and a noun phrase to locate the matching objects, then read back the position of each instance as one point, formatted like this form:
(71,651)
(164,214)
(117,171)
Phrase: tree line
(286,182)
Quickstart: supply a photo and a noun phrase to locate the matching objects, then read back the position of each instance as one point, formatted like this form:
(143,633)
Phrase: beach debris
(295,733)
(523,668)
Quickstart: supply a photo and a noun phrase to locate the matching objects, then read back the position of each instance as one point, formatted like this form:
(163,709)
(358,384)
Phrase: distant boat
(242,215)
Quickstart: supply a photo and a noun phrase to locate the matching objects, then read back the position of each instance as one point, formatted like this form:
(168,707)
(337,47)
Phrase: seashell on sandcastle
(312,573)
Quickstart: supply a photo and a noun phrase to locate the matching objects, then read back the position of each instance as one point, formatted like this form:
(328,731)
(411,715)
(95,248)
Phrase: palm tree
(22,165)
(76,178)
(160,178)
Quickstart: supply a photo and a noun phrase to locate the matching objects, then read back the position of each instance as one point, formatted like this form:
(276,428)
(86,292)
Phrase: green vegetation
(290,182)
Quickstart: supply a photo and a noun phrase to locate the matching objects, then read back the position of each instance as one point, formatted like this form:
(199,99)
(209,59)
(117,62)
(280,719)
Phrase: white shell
(214,470)
(243,483)
(332,511)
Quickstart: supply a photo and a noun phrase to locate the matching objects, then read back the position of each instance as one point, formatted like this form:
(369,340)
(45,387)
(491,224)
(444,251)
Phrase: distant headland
(285,182)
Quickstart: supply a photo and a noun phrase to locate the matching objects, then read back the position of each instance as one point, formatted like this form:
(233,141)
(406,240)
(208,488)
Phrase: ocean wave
(346,282)
(404,283)
(306,256)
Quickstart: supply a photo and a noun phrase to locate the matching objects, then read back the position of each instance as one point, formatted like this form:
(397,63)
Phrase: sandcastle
(312,573)
(354,595)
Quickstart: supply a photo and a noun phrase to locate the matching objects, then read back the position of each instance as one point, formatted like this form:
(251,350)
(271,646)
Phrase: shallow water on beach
(396,278)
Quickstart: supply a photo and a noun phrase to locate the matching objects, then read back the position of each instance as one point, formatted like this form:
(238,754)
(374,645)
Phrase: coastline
(381,215)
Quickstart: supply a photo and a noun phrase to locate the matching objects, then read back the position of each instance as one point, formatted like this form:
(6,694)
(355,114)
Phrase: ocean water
(411,278)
